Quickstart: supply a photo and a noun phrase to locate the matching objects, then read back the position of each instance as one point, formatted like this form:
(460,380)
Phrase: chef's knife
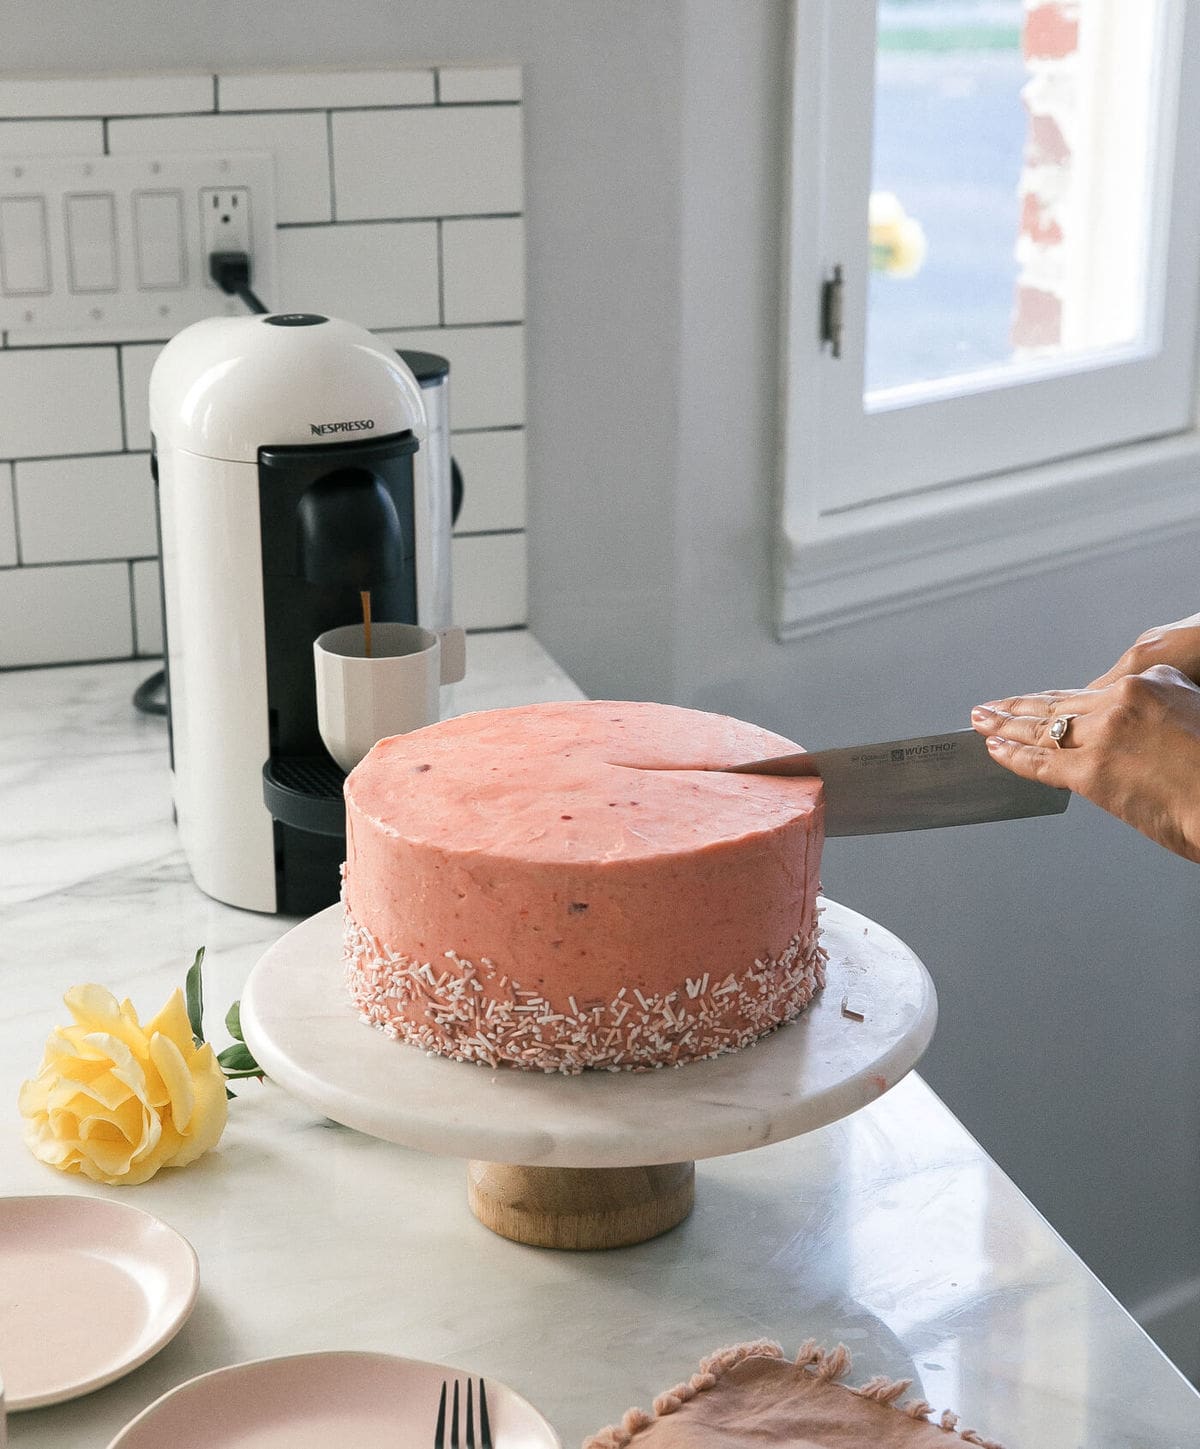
(916,784)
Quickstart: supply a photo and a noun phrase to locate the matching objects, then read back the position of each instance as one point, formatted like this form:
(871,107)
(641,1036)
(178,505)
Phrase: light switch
(24,251)
(92,241)
(158,240)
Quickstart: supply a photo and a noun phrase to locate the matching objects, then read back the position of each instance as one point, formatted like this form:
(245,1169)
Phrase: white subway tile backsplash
(136,365)
(80,509)
(440,161)
(8,522)
(409,226)
(298,140)
(458,83)
(493,470)
(147,607)
(378,274)
(304,90)
(489,581)
(484,269)
(63,614)
(52,138)
(487,371)
(57,400)
(105,95)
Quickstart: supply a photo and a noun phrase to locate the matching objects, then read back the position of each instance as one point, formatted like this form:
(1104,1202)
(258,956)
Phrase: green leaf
(253,1072)
(233,1021)
(230,1096)
(237,1058)
(194,992)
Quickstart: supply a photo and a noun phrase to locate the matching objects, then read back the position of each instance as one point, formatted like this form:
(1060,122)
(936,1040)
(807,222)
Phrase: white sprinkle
(573,1006)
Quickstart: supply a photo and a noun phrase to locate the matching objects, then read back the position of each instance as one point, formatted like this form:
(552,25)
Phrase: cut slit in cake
(561,886)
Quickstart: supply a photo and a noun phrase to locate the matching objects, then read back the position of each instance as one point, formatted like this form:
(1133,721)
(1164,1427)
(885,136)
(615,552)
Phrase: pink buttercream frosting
(518,890)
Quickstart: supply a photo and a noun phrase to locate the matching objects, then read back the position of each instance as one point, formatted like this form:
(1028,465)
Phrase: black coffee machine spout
(349,533)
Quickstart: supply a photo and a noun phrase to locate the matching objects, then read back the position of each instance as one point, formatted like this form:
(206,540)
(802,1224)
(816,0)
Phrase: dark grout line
(262,111)
(79,457)
(132,611)
(333,216)
(79,663)
(72,563)
(499,428)
(87,346)
(12,483)
(121,400)
(491,533)
(441,268)
(456,327)
(401,220)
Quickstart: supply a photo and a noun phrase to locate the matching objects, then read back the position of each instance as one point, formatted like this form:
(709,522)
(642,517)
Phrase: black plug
(231,272)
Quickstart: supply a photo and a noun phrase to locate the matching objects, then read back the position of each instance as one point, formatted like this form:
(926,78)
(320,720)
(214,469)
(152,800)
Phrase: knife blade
(922,783)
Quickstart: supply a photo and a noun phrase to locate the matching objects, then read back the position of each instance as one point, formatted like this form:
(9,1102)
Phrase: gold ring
(1058,730)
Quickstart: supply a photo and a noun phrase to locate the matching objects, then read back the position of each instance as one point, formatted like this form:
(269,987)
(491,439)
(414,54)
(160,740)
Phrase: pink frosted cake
(516,891)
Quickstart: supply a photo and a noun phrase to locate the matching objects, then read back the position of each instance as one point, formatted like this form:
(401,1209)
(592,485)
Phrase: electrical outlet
(225,222)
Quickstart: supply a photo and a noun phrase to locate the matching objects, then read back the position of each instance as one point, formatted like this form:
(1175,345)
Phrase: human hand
(1132,747)
(1175,644)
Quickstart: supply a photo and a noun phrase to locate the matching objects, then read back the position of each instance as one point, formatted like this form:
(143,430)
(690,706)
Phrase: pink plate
(89,1289)
(314,1400)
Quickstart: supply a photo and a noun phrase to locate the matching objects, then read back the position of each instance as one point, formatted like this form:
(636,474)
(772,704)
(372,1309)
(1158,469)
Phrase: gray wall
(1064,951)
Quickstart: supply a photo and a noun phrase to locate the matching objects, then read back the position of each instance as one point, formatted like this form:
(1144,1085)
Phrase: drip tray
(305,791)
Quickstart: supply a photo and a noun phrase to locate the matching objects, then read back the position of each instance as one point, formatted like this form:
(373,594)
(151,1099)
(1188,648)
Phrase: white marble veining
(890,1230)
(299,1022)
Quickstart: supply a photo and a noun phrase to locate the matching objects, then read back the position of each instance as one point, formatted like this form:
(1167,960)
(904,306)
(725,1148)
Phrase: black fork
(485,1429)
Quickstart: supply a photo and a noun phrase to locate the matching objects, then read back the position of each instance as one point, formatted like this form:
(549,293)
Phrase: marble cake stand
(606,1158)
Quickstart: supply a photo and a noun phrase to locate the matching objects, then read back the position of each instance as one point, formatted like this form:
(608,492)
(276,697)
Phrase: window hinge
(831,311)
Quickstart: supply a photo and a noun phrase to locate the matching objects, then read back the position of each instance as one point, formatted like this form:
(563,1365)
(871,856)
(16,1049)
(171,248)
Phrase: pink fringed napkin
(750,1395)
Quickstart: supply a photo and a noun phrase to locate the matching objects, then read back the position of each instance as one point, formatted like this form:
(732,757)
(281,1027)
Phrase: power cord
(231,272)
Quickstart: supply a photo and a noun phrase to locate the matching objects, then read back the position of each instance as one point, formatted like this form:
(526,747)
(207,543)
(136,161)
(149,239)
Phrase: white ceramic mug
(362,700)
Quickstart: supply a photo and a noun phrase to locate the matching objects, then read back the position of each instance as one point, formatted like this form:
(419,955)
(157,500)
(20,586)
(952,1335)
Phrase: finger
(1032,762)
(1024,729)
(1048,704)
(1043,702)
(1118,671)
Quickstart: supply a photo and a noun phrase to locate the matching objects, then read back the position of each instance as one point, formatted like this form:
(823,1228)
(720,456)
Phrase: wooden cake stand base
(605,1159)
(580,1207)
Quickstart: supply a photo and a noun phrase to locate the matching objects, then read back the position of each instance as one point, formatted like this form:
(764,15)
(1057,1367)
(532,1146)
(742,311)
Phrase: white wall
(1064,950)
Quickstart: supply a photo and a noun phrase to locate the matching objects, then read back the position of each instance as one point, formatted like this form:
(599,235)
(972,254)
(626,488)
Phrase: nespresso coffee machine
(295,467)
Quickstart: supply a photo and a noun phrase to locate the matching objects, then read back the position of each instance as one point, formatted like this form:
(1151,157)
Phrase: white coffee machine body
(271,437)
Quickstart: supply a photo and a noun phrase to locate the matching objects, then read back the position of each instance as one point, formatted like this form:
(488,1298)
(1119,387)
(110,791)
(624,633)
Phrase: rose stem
(365,596)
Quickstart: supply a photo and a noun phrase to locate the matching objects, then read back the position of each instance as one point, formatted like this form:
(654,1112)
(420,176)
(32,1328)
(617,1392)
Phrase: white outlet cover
(112,248)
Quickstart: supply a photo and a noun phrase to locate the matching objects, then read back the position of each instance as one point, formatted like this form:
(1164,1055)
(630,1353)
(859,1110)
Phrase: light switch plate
(112,248)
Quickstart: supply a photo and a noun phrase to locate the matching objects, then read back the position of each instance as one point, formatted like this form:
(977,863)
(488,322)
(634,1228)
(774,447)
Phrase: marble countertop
(891,1231)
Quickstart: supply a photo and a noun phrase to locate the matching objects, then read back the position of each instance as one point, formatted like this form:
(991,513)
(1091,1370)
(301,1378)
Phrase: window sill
(838,569)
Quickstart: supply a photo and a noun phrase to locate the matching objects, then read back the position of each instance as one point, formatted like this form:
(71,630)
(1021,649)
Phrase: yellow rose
(115,1100)
(897,239)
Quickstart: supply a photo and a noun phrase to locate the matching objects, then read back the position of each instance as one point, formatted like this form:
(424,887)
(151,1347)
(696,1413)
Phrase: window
(990,198)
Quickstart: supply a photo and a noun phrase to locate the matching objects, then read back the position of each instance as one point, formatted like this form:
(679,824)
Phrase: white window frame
(843,558)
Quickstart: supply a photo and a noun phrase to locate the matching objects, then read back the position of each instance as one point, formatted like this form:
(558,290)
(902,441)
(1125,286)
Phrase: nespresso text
(358,425)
